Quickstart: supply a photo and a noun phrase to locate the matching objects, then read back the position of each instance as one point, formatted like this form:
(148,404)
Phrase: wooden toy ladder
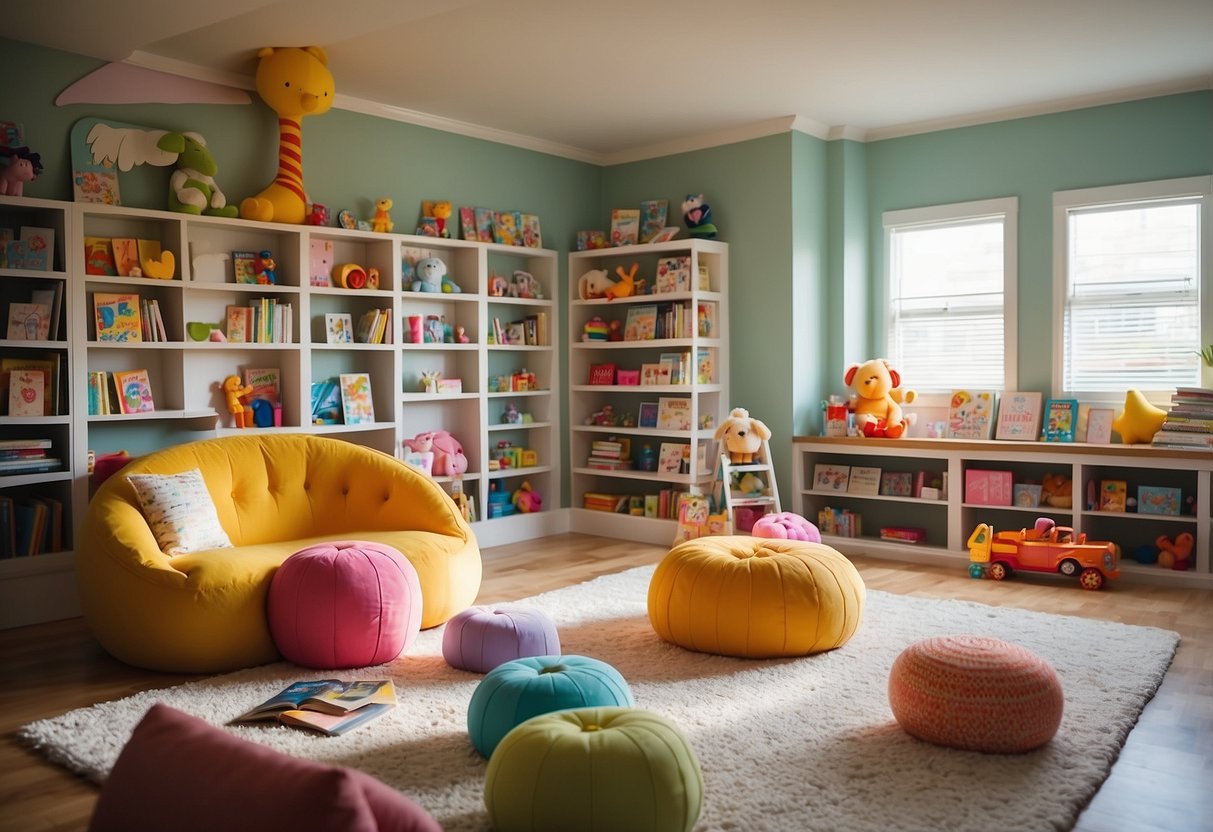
(728,476)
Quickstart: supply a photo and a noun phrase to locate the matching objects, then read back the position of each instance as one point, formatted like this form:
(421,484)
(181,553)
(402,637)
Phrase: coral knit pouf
(975,693)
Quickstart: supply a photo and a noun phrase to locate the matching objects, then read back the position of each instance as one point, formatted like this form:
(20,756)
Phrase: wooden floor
(1161,781)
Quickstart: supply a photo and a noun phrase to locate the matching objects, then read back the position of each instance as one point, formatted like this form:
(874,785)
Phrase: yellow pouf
(755,597)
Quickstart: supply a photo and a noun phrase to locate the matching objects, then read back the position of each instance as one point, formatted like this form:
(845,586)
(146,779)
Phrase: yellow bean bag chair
(204,611)
(755,597)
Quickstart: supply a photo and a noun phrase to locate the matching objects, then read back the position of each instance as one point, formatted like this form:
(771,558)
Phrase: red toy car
(1044,548)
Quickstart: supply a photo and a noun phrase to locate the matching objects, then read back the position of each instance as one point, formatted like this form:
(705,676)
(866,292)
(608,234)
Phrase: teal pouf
(594,768)
(514,692)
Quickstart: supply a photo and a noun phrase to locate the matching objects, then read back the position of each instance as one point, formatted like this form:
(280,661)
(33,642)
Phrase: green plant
(1206,355)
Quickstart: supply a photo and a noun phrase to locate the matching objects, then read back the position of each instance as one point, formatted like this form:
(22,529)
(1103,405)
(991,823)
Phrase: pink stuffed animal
(23,166)
(449,459)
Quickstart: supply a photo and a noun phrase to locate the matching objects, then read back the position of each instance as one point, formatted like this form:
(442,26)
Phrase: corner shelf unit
(950,520)
(40,588)
(185,373)
(705,395)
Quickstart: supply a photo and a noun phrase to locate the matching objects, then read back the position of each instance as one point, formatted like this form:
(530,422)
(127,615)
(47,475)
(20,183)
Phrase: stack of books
(26,456)
(608,455)
(1189,422)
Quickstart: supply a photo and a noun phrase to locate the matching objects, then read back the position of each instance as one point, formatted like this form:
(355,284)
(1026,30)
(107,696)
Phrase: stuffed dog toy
(741,436)
(878,409)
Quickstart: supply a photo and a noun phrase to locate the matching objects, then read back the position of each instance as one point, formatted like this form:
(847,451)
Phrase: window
(951,276)
(1131,309)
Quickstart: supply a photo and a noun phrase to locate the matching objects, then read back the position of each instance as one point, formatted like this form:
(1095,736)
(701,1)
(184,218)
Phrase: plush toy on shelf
(526,499)
(294,82)
(431,277)
(594,284)
(23,166)
(192,188)
(1056,490)
(233,393)
(879,398)
(697,216)
(382,221)
(627,285)
(1139,421)
(742,436)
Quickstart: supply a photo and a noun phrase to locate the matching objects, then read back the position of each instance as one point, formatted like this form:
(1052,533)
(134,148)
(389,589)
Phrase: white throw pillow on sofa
(180,511)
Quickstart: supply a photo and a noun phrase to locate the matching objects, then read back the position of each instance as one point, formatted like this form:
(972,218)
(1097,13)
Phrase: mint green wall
(849,299)
(1158,138)
(764,193)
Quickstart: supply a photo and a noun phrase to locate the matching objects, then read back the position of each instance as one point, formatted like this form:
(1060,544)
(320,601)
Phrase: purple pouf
(481,638)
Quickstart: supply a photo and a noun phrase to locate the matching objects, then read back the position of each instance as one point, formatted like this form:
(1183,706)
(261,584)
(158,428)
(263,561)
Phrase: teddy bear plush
(741,436)
(878,407)
(430,276)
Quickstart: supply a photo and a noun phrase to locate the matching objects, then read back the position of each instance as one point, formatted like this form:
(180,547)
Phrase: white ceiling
(623,79)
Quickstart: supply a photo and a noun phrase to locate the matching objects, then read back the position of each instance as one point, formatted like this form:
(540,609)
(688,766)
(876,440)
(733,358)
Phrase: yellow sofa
(275,493)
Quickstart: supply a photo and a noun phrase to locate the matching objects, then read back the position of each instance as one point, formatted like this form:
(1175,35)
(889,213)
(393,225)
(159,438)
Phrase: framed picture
(647,417)
(1099,425)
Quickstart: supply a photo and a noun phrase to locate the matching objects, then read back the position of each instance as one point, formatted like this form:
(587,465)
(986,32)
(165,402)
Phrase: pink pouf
(346,604)
(975,693)
(785,525)
(481,638)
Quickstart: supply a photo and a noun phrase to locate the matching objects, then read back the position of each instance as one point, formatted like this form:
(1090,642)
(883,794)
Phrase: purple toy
(786,525)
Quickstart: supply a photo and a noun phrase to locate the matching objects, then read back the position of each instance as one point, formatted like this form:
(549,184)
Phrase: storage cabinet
(688,329)
(949,520)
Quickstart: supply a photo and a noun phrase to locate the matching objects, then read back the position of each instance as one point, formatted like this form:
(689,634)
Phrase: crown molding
(742,133)
(1059,105)
(172,66)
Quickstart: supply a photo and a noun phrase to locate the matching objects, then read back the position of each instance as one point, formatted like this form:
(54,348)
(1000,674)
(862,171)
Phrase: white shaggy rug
(790,744)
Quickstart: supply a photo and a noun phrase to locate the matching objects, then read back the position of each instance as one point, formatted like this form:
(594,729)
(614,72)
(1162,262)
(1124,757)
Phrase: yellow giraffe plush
(295,82)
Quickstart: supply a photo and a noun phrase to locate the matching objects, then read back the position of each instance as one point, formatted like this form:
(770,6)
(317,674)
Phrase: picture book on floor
(330,706)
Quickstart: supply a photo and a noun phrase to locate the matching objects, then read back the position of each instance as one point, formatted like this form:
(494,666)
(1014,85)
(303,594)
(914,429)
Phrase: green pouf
(594,769)
(517,690)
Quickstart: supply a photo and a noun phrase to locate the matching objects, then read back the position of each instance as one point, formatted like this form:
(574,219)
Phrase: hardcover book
(673,413)
(896,483)
(532,235)
(356,405)
(99,256)
(467,223)
(831,477)
(239,324)
(39,247)
(49,367)
(118,317)
(1158,499)
(29,321)
(244,266)
(971,414)
(641,324)
(484,224)
(26,393)
(1113,495)
(652,218)
(266,383)
(625,226)
(126,255)
(864,480)
(338,328)
(1060,420)
(988,488)
(669,458)
(134,390)
(1019,416)
(673,275)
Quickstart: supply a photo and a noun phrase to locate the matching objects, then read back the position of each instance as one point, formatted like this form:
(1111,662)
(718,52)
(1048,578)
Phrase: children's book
(971,414)
(49,367)
(1113,495)
(669,458)
(831,477)
(239,329)
(484,224)
(266,383)
(244,266)
(1019,416)
(467,223)
(896,483)
(134,390)
(705,367)
(625,226)
(673,413)
(326,402)
(673,275)
(532,236)
(53,300)
(29,321)
(99,256)
(26,393)
(126,255)
(706,317)
(356,405)
(506,229)
(118,317)
(864,479)
(641,324)
(652,218)
(338,328)
(1060,420)
(647,415)
(320,262)
(39,247)
(331,706)
(1099,425)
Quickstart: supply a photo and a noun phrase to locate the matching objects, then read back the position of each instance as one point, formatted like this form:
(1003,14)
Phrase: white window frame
(1108,195)
(1006,208)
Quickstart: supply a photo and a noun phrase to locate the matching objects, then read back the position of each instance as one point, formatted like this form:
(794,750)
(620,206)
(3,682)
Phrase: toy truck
(1044,548)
